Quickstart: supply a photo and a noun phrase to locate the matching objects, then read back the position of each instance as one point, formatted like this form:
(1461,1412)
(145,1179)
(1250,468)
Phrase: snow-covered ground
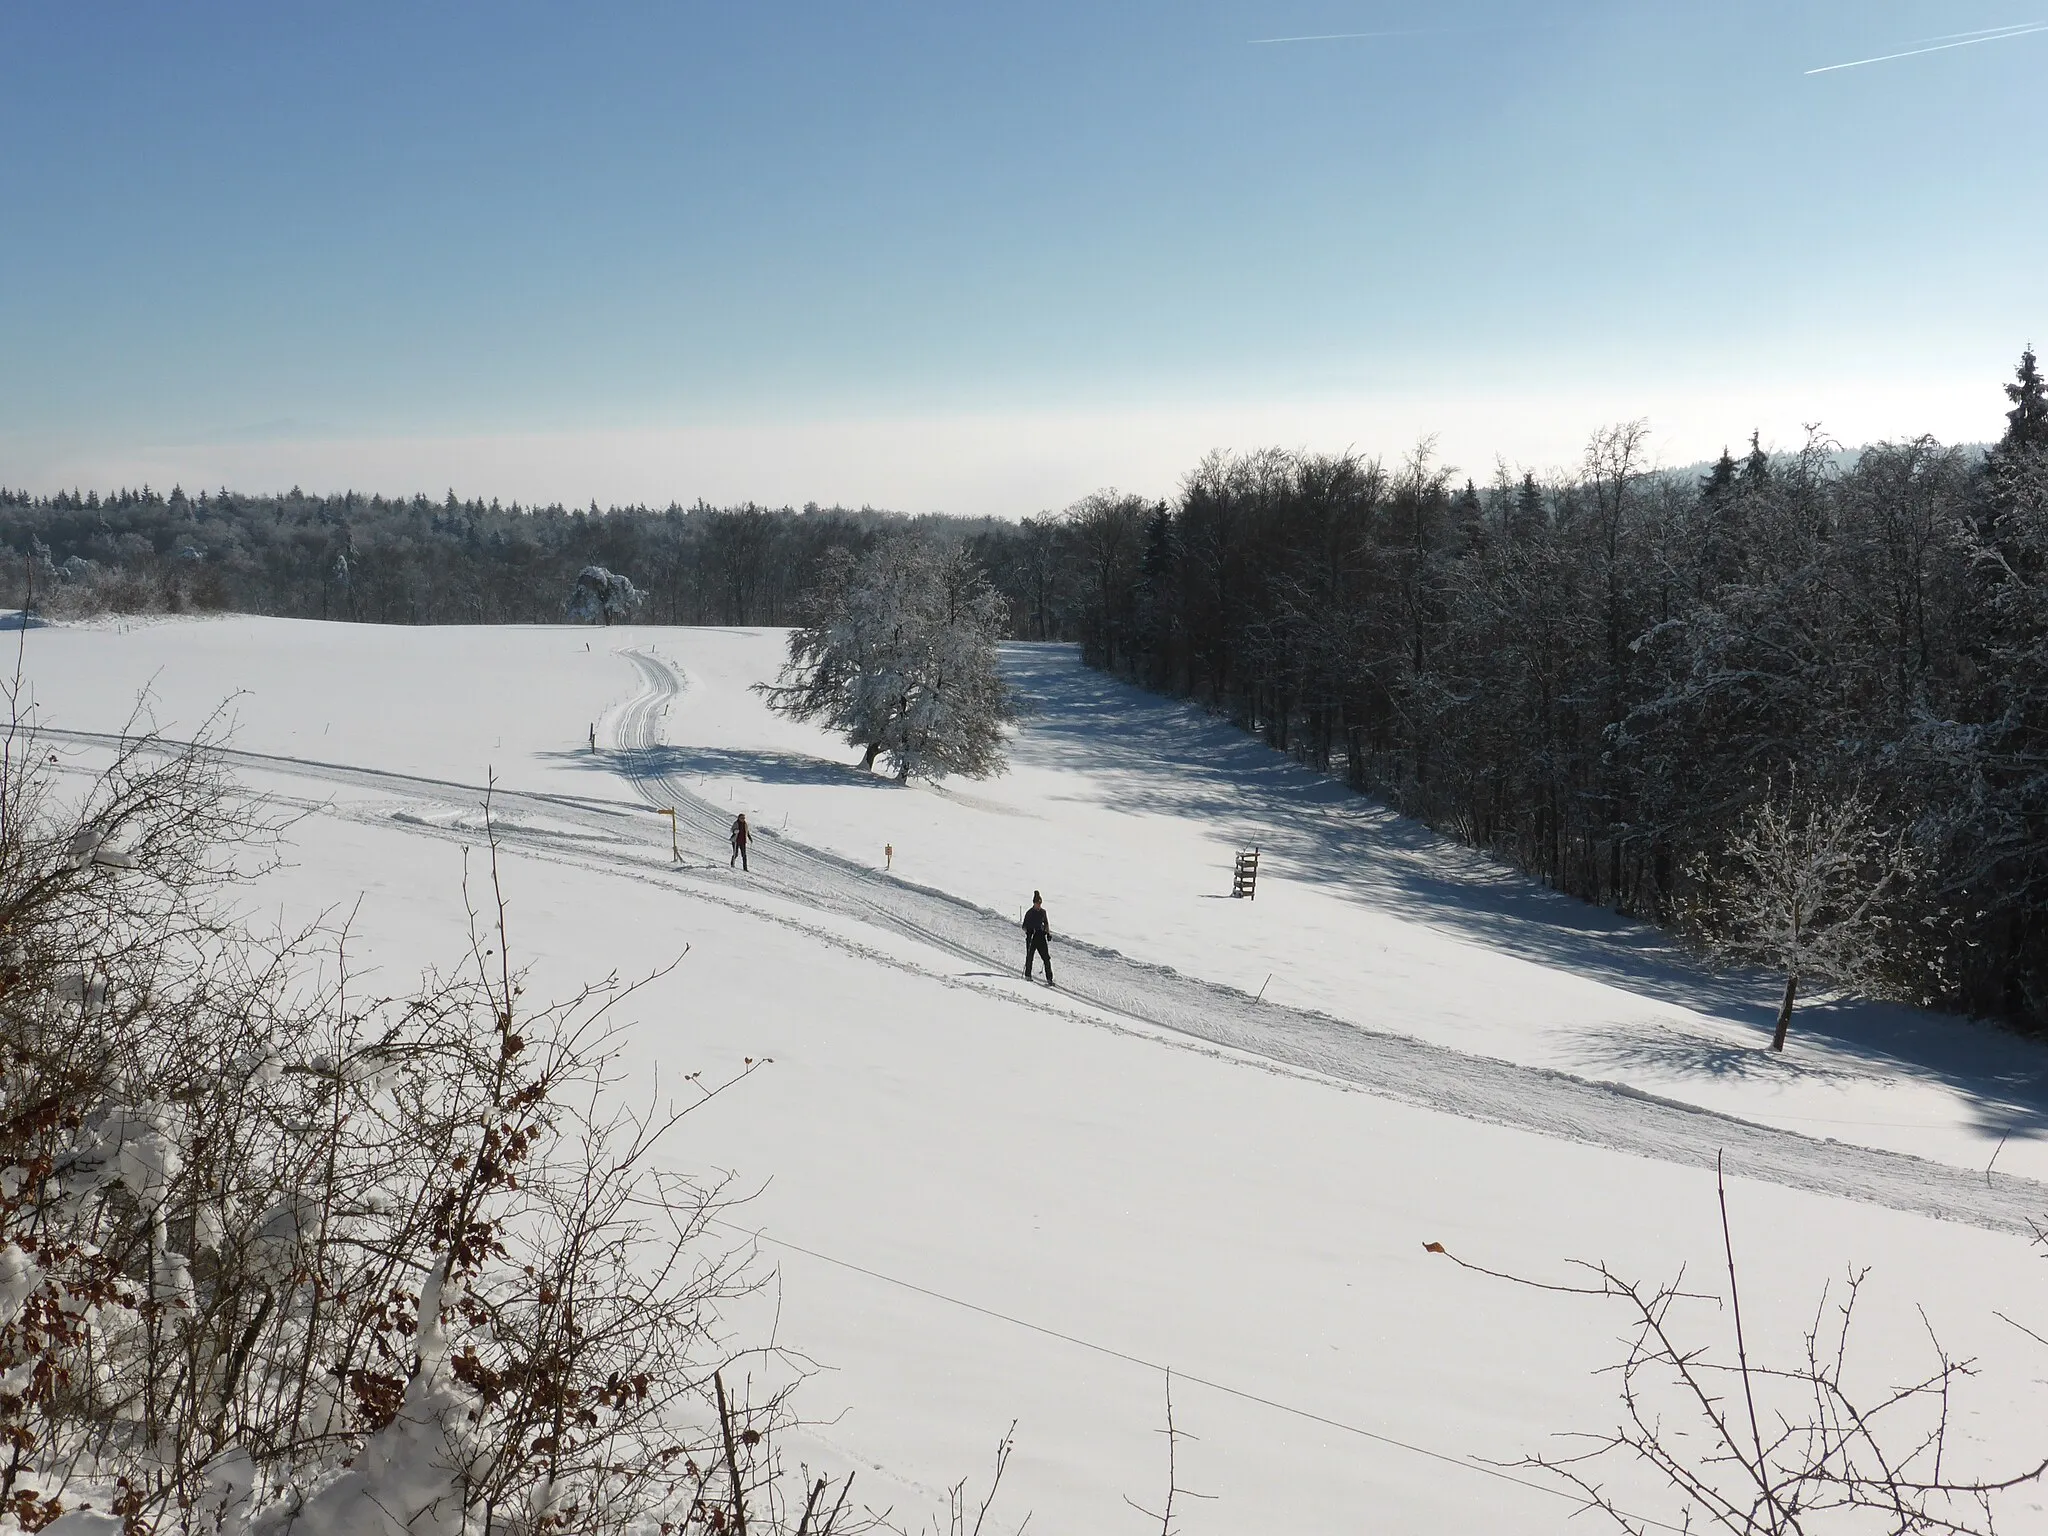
(990,1202)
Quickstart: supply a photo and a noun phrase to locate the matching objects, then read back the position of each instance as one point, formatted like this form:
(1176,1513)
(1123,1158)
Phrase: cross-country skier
(741,836)
(1037,934)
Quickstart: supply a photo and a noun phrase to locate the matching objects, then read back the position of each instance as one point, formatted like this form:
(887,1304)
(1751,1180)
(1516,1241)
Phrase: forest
(1604,679)
(381,560)
(1597,676)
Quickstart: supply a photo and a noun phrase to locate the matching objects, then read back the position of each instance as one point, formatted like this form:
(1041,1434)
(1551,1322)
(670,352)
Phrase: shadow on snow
(1167,757)
(715,762)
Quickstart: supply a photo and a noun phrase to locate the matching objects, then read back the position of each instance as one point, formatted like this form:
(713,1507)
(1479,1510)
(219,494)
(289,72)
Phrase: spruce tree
(1531,517)
(1756,468)
(1160,552)
(1718,482)
(2027,421)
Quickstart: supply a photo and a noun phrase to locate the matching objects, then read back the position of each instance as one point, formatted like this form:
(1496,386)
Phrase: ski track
(1222,1018)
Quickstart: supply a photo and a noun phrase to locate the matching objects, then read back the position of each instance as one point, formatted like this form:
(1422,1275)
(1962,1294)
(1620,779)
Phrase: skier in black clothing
(742,835)
(1037,933)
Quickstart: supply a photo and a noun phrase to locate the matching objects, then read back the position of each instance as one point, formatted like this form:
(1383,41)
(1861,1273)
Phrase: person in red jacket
(740,838)
(1037,937)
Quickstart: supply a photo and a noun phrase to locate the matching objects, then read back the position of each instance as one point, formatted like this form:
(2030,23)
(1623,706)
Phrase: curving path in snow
(619,839)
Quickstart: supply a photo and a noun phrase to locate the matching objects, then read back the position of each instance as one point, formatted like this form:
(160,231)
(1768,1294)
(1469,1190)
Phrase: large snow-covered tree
(602,597)
(956,703)
(899,656)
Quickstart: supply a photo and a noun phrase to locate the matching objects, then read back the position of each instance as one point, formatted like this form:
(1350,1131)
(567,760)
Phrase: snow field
(1250,1228)
(1256,1228)
(1125,809)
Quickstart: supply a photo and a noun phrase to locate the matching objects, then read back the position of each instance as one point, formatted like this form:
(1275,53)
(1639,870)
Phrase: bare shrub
(1770,1448)
(275,1255)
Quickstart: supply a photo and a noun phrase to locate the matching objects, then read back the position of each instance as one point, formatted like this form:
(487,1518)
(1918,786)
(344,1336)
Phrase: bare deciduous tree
(1803,887)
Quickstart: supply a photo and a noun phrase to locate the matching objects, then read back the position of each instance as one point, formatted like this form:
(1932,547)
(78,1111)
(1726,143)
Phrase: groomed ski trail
(1382,1063)
(1388,1065)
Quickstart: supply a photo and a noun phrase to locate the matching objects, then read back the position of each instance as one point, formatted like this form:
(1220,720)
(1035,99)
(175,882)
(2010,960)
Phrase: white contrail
(1338,37)
(1942,37)
(1968,42)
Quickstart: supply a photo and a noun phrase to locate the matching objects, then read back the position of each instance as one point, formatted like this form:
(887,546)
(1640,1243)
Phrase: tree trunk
(1785,1012)
(874,751)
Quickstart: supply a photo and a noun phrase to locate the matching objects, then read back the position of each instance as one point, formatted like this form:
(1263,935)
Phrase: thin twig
(1761,1470)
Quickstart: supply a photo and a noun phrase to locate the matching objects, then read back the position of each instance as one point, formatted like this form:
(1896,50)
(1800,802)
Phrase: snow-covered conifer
(2027,421)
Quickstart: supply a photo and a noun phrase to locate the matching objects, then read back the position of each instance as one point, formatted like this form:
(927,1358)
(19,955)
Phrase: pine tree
(2027,421)
(1718,483)
(1530,516)
(1160,552)
(1756,466)
(1469,508)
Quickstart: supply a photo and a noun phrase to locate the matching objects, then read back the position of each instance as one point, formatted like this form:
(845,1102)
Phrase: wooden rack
(1244,880)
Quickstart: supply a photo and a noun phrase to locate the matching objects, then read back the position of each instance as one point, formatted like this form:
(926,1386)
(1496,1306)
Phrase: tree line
(1607,677)
(1616,678)
(373,559)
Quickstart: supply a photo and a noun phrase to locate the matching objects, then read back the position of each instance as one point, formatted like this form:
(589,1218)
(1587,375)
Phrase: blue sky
(681,249)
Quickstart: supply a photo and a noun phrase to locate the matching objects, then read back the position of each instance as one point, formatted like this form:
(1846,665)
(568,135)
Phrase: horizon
(989,264)
(104,495)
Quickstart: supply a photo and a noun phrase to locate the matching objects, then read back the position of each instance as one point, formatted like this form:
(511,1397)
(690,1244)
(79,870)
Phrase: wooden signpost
(1244,881)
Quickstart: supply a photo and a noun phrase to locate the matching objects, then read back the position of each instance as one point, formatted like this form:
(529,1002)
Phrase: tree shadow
(1847,1042)
(1152,755)
(1671,1051)
(723,762)
(19,620)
